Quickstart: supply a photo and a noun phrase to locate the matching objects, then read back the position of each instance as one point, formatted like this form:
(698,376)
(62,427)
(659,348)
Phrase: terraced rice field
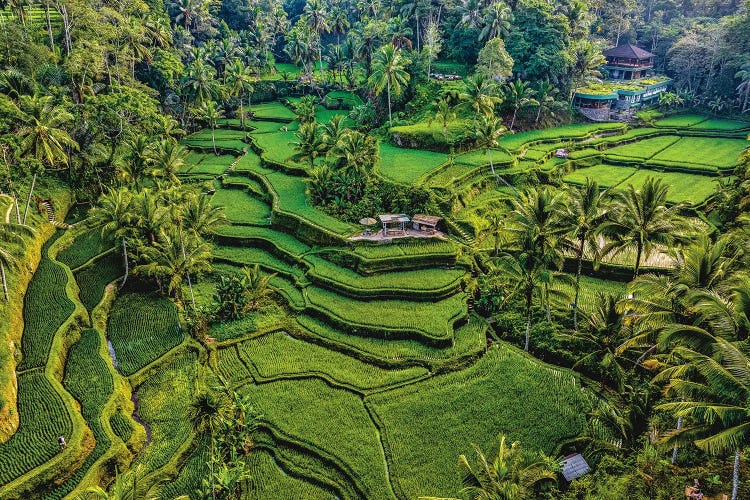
(407,165)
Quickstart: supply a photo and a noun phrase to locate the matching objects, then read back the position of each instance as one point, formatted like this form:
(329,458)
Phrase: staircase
(51,216)
(455,226)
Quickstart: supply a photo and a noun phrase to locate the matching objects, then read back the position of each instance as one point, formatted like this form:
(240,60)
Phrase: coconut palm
(43,136)
(743,89)
(587,212)
(545,95)
(166,160)
(487,132)
(200,80)
(173,257)
(114,214)
(444,114)
(640,219)
(316,15)
(355,152)
(239,82)
(507,474)
(208,412)
(333,131)
(309,144)
(497,19)
(517,94)
(713,388)
(209,113)
(479,96)
(339,23)
(587,59)
(10,233)
(137,160)
(304,109)
(200,217)
(388,74)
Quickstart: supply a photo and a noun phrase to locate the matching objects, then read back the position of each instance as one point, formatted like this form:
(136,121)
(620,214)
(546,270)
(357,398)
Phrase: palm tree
(444,114)
(714,389)
(309,144)
(43,136)
(239,81)
(479,97)
(173,257)
(339,23)
(317,19)
(200,217)
(201,81)
(207,414)
(167,159)
(640,219)
(113,213)
(496,227)
(388,74)
(508,474)
(10,233)
(587,212)
(743,89)
(544,96)
(518,94)
(587,59)
(304,109)
(333,131)
(137,160)
(209,113)
(497,19)
(487,132)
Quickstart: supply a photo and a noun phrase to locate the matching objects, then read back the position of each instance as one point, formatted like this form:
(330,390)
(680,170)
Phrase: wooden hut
(427,223)
(394,224)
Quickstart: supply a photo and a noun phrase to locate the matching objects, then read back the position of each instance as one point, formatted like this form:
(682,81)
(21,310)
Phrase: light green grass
(407,165)
(241,207)
(429,424)
(644,149)
(712,151)
(278,355)
(680,121)
(722,125)
(272,110)
(605,175)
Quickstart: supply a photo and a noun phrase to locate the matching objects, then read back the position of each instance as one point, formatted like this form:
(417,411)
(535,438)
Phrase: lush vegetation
(198,301)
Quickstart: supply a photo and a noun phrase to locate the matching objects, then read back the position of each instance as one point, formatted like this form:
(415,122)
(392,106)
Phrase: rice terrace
(388,250)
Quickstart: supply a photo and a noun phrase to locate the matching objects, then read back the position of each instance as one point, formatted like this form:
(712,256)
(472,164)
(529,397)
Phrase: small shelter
(428,223)
(574,466)
(562,153)
(394,224)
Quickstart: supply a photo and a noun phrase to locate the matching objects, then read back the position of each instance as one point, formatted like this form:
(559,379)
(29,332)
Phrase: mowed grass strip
(470,339)
(431,321)
(293,199)
(241,207)
(429,424)
(425,282)
(332,420)
(43,418)
(605,175)
(688,188)
(644,149)
(407,165)
(278,354)
(712,151)
(142,328)
(46,307)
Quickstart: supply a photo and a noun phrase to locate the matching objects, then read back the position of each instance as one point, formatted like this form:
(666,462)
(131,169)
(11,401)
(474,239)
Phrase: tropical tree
(309,144)
(137,160)
(199,216)
(587,59)
(743,89)
(433,43)
(587,206)
(545,95)
(43,136)
(497,19)
(333,131)
(304,109)
(200,80)
(640,219)
(114,214)
(339,23)
(208,412)
(444,114)
(10,233)
(518,94)
(509,473)
(388,74)
(240,82)
(209,113)
(487,132)
(166,160)
(316,16)
(479,96)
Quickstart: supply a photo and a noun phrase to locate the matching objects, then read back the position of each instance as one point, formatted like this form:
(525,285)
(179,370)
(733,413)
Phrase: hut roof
(628,50)
(427,220)
(388,218)
(574,466)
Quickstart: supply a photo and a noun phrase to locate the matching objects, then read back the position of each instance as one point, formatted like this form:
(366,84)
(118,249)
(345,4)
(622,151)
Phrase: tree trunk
(528,322)
(242,115)
(28,199)
(184,258)
(513,120)
(18,213)
(546,302)
(416,16)
(213,139)
(49,28)
(638,260)
(736,474)
(5,282)
(390,117)
(538,113)
(679,427)
(320,56)
(578,282)
(500,177)
(125,260)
